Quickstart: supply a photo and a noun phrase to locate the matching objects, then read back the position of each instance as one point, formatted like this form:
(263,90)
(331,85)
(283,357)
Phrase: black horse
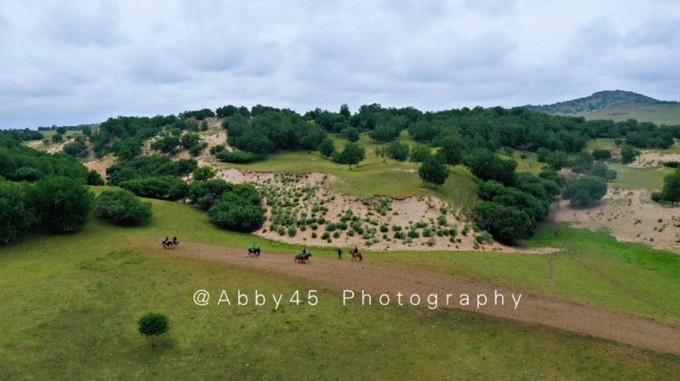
(302,258)
(170,243)
(254,252)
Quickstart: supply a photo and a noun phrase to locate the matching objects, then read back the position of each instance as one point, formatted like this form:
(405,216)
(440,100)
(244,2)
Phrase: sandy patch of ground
(100,165)
(378,278)
(290,198)
(654,159)
(629,216)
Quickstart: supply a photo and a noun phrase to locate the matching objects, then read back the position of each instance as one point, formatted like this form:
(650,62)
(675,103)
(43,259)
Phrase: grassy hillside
(374,175)
(619,106)
(70,305)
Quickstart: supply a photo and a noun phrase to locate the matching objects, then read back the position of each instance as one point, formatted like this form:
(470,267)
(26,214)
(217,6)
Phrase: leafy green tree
(420,153)
(434,171)
(15,215)
(190,140)
(327,147)
(152,325)
(94,178)
(451,150)
(162,187)
(130,148)
(628,154)
(76,148)
(487,166)
(671,188)
(558,160)
(203,174)
(57,138)
(27,174)
(601,154)
(167,144)
(205,194)
(61,130)
(350,133)
(585,191)
(385,132)
(352,154)
(61,204)
(600,169)
(121,207)
(344,111)
(398,151)
(507,224)
(235,212)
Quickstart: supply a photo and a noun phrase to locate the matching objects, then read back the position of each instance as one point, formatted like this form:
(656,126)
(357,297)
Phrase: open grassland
(589,268)
(70,305)
(668,114)
(650,178)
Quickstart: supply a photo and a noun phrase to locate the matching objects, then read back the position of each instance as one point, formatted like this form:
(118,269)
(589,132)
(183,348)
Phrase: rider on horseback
(356,251)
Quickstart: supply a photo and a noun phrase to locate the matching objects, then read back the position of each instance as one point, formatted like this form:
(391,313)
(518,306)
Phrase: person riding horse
(303,257)
(254,250)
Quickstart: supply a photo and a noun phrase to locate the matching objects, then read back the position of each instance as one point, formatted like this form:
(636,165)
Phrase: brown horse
(302,258)
(357,255)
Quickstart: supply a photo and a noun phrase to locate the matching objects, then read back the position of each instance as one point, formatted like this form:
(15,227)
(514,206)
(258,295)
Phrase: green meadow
(374,175)
(70,305)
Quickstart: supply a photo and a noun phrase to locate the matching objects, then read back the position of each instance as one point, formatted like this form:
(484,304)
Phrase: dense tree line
(21,163)
(55,204)
(270,130)
(493,128)
(149,166)
(21,135)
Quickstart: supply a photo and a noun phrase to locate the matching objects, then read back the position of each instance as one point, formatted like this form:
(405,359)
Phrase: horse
(357,255)
(168,244)
(254,252)
(302,258)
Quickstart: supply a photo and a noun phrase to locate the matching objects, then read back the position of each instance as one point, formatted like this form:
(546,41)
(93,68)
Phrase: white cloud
(73,61)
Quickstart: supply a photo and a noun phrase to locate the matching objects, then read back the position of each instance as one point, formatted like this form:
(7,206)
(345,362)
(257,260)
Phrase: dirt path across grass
(378,278)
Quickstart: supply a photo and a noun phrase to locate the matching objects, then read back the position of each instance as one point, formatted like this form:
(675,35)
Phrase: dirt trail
(377,278)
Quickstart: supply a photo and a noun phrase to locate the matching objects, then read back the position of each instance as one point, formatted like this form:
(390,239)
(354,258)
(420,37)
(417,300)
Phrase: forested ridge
(512,204)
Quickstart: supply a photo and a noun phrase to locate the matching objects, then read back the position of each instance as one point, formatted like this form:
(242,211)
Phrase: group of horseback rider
(355,252)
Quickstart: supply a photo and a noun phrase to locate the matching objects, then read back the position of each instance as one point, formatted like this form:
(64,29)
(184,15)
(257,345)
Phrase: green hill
(617,105)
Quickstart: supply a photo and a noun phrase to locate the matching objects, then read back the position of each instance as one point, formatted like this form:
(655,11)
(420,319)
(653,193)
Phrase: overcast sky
(69,62)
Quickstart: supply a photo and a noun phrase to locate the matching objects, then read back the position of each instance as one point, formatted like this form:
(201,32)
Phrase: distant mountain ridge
(617,105)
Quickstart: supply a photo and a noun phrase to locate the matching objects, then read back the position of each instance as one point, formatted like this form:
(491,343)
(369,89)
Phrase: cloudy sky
(68,62)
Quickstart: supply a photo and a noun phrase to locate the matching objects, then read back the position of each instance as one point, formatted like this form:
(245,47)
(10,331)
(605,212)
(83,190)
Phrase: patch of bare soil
(100,165)
(381,223)
(654,159)
(629,216)
(377,279)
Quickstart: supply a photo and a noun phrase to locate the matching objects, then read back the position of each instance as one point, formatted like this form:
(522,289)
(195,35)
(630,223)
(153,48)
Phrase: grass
(373,176)
(668,114)
(639,178)
(526,164)
(590,268)
(652,274)
(70,305)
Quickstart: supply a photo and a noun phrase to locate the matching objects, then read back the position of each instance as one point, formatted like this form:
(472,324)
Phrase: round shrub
(234,212)
(122,207)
